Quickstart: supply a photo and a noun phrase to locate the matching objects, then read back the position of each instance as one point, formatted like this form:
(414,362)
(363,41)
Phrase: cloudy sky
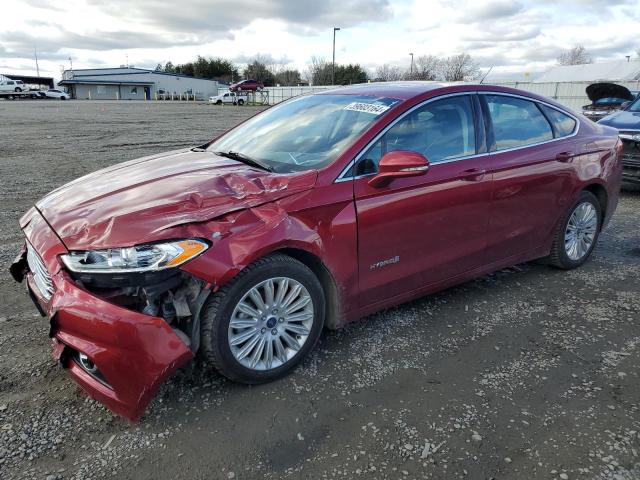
(516,37)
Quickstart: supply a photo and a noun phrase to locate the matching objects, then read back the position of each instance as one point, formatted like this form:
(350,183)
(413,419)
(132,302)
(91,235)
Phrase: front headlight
(141,258)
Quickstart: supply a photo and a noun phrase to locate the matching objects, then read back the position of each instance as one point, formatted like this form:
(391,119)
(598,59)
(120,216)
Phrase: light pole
(333,63)
(411,69)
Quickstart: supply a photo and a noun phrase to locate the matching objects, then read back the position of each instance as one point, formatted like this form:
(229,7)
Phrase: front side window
(517,122)
(562,123)
(306,132)
(134,90)
(440,130)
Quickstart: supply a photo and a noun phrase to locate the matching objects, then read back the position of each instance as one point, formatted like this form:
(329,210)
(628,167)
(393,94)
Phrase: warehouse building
(130,83)
(618,71)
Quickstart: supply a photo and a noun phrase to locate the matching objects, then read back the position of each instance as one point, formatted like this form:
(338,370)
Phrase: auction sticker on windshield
(374,109)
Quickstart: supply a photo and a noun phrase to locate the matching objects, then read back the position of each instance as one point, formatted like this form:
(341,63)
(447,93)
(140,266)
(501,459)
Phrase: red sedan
(246,85)
(313,213)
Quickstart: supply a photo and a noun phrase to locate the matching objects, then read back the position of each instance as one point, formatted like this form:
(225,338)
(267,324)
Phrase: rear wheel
(261,324)
(240,102)
(577,233)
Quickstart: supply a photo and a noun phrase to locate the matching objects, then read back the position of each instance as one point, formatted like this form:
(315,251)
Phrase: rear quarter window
(563,124)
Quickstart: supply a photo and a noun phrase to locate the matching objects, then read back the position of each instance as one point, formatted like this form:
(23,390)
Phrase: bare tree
(575,56)
(318,71)
(388,73)
(426,67)
(458,68)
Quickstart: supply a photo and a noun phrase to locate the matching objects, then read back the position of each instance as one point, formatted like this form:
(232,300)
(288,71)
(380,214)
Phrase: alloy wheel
(581,231)
(270,323)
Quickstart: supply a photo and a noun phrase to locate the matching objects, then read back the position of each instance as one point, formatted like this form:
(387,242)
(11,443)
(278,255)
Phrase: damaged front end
(120,334)
(173,295)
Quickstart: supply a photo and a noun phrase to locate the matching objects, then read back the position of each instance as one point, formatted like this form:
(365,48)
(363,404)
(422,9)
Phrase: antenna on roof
(485,75)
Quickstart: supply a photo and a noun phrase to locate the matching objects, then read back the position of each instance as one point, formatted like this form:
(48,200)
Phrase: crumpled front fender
(134,353)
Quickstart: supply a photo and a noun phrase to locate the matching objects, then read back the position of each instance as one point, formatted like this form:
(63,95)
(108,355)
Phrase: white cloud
(511,35)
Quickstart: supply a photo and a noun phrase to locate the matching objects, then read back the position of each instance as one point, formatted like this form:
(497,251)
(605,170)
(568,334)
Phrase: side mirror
(399,164)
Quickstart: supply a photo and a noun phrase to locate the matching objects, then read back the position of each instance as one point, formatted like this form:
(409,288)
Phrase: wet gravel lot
(528,373)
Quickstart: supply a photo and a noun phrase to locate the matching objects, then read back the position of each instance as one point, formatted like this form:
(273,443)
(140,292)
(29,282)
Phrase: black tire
(558,256)
(18,89)
(219,102)
(63,98)
(217,311)
(241,102)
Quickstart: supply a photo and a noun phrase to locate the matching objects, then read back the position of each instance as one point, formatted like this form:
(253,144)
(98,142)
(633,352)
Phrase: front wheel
(577,233)
(261,324)
(18,89)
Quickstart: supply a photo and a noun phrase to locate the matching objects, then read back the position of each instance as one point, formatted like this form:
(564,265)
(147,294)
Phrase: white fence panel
(279,94)
(569,94)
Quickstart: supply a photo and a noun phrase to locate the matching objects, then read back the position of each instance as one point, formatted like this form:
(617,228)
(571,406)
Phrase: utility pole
(71,64)
(333,63)
(411,69)
(35,53)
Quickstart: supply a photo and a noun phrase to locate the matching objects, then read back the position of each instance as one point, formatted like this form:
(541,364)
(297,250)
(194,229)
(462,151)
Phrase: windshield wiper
(240,157)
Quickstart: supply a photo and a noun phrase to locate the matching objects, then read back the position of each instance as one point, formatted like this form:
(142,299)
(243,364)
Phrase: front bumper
(631,161)
(134,353)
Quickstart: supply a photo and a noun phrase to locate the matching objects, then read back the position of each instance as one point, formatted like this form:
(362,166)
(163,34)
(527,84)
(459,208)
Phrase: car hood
(136,201)
(622,120)
(596,91)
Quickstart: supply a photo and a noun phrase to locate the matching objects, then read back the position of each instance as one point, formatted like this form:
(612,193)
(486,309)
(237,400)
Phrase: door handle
(564,156)
(473,174)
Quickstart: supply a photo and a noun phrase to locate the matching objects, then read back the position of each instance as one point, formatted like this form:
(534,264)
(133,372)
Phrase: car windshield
(635,106)
(304,133)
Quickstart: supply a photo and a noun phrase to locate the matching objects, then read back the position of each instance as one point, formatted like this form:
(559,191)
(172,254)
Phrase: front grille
(41,276)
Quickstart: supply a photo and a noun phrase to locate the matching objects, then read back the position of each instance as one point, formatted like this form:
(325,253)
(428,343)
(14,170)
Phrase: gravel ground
(528,373)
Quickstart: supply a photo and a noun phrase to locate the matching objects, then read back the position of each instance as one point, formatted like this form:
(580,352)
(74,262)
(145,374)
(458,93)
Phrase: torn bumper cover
(118,356)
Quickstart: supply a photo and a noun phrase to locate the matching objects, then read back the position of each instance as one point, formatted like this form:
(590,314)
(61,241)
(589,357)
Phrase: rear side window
(517,122)
(563,124)
(440,130)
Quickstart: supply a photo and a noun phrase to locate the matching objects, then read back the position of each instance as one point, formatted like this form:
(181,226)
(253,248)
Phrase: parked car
(59,94)
(13,86)
(246,85)
(605,99)
(316,212)
(228,97)
(627,122)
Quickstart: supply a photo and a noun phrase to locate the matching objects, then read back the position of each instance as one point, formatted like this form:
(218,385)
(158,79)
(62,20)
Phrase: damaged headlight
(141,258)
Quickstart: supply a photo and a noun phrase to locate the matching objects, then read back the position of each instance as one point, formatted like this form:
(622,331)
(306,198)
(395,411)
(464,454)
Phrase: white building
(618,71)
(130,83)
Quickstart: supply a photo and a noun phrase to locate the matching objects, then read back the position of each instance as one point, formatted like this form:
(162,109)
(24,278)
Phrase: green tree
(257,70)
(288,77)
(348,74)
